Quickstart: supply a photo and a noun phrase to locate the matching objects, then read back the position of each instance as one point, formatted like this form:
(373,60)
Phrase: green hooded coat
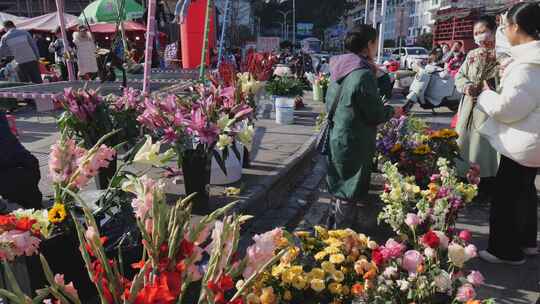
(352,137)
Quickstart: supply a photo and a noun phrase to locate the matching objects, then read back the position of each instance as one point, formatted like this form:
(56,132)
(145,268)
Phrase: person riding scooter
(433,87)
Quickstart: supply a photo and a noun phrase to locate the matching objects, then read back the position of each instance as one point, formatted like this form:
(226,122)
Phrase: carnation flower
(465,235)
(475,278)
(443,282)
(411,260)
(471,251)
(457,255)
(392,249)
(430,239)
(465,293)
(412,220)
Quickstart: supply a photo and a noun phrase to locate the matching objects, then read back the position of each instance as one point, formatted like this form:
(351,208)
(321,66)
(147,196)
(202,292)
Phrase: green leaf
(12,280)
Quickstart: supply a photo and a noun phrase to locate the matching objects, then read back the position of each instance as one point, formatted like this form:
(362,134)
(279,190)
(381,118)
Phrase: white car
(411,56)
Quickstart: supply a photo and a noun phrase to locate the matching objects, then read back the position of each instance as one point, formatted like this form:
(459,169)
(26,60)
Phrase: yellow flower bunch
(444,133)
(57,214)
(422,150)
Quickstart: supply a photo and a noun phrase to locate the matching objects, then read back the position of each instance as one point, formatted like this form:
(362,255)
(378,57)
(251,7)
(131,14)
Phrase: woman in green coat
(479,66)
(359,111)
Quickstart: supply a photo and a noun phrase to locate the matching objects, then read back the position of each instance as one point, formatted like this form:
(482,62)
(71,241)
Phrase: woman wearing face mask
(513,128)
(359,109)
(479,66)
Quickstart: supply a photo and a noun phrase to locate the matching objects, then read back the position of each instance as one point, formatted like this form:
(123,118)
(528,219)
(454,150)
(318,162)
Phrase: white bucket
(318,93)
(284,110)
(233,165)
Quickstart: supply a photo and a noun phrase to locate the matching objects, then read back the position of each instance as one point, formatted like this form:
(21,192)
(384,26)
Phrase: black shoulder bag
(323,139)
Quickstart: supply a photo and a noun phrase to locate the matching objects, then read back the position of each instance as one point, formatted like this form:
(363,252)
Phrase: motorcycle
(432,88)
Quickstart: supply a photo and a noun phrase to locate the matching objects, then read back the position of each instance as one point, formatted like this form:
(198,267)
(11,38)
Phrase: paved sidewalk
(276,154)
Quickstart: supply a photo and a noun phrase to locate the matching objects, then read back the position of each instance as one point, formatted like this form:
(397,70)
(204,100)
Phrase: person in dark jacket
(352,135)
(19,170)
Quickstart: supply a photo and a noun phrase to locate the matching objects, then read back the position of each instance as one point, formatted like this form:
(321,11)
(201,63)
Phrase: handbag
(323,138)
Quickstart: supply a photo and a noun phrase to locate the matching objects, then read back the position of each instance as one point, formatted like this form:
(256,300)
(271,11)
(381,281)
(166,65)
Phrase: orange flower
(370,274)
(396,148)
(357,289)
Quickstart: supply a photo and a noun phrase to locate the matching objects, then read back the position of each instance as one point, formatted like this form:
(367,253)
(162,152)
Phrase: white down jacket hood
(513,128)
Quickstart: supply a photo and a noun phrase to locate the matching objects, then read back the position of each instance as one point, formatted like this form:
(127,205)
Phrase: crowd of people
(498,124)
(26,52)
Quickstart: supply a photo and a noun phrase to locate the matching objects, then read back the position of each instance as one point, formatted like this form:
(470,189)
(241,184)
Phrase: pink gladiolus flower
(69,288)
(466,293)
(262,251)
(411,260)
(465,235)
(475,278)
(91,234)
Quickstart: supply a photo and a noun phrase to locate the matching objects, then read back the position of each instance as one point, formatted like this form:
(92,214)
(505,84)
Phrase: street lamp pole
(375,14)
(366,12)
(294,24)
(284,14)
(381,32)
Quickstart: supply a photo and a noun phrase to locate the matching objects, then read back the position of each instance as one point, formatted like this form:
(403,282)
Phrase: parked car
(409,56)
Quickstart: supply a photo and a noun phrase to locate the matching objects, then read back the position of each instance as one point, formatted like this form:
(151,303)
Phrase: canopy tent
(46,23)
(107,11)
(109,28)
(6,17)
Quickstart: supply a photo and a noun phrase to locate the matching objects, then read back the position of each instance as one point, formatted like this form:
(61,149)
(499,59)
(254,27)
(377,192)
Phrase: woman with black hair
(480,65)
(513,128)
(354,98)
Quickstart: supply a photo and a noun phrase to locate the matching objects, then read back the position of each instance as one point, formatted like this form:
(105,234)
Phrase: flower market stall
(135,243)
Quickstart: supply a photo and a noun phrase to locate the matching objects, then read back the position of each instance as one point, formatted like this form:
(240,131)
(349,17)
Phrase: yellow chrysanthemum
(338,276)
(291,254)
(288,276)
(332,250)
(448,133)
(302,234)
(317,285)
(57,214)
(268,296)
(335,288)
(422,150)
(278,270)
(337,258)
(317,273)
(296,270)
(320,255)
(299,282)
(328,267)
(322,232)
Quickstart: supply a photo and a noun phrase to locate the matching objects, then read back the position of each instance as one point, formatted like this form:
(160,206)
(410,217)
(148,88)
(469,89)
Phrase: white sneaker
(490,258)
(530,251)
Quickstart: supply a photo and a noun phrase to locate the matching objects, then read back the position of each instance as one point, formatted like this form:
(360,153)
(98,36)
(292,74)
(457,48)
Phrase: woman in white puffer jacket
(513,129)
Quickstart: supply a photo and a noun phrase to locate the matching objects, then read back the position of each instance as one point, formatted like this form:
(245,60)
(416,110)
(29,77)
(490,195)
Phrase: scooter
(432,88)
